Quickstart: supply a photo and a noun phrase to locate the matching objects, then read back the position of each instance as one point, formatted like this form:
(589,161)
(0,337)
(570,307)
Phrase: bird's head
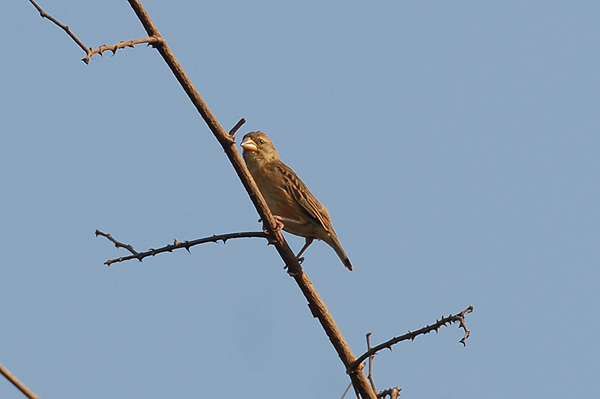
(258,148)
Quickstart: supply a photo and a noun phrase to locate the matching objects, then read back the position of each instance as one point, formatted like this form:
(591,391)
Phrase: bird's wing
(302,195)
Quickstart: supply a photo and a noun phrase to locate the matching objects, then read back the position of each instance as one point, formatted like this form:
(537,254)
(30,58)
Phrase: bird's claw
(278,224)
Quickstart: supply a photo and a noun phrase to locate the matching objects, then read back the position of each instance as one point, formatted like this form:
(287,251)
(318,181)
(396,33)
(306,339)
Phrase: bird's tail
(337,247)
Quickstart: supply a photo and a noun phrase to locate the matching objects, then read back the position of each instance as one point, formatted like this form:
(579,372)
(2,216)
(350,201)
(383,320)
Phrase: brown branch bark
(17,383)
(315,303)
(114,47)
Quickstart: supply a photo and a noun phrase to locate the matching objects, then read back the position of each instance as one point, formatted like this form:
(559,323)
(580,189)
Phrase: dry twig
(176,244)
(394,392)
(370,375)
(444,321)
(237,127)
(151,40)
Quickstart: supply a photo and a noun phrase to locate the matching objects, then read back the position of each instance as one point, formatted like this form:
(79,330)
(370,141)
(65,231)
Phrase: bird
(295,208)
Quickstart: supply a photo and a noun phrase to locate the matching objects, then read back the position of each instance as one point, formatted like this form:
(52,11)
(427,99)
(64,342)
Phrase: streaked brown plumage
(287,196)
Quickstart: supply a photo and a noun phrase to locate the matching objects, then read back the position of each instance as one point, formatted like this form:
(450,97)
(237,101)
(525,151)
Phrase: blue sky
(455,145)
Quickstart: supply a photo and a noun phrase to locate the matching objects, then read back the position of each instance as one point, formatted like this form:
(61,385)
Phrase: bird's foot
(278,223)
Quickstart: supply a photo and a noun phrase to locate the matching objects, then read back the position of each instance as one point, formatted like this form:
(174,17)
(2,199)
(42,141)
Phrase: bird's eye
(261,141)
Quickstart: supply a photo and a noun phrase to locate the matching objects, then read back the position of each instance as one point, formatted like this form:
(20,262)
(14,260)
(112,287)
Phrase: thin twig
(444,321)
(370,375)
(64,27)
(346,391)
(17,383)
(237,127)
(392,392)
(118,244)
(176,244)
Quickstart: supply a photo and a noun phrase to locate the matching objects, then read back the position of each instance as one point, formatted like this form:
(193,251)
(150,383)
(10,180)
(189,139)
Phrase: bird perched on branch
(296,210)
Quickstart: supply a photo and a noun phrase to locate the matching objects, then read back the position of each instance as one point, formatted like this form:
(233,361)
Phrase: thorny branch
(444,321)
(151,40)
(176,244)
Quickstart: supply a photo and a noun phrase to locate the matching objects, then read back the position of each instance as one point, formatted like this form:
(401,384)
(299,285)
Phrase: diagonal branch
(315,303)
(444,321)
(176,244)
(17,383)
(64,27)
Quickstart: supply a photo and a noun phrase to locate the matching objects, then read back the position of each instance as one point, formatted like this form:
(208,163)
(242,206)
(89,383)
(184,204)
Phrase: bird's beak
(249,145)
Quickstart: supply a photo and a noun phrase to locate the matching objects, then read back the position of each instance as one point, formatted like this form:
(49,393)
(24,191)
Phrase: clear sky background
(455,144)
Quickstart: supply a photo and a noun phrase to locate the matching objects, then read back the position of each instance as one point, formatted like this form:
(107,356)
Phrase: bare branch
(346,391)
(394,392)
(64,27)
(237,127)
(152,41)
(118,244)
(444,321)
(17,383)
(370,376)
(176,244)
